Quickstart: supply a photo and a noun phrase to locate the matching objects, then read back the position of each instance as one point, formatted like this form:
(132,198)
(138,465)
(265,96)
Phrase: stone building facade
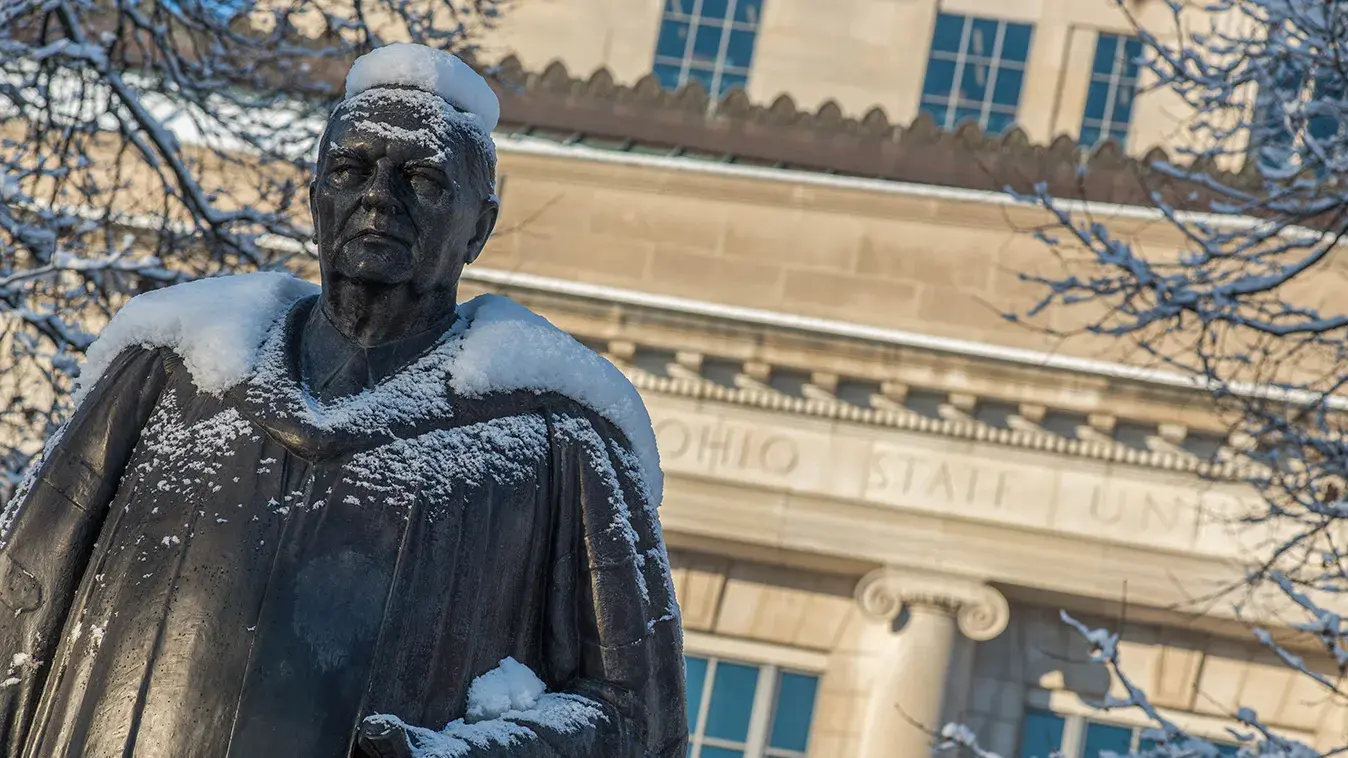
(881,494)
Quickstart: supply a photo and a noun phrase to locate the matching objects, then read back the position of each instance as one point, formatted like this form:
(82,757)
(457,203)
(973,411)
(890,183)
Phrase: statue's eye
(343,174)
(426,182)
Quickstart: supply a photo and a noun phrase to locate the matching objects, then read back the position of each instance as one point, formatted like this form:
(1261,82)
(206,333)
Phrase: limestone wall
(859,53)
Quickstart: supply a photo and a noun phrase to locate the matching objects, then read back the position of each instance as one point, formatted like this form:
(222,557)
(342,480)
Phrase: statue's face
(394,200)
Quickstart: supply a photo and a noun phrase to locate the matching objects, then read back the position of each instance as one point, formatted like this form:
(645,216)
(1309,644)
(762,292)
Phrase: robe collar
(332,365)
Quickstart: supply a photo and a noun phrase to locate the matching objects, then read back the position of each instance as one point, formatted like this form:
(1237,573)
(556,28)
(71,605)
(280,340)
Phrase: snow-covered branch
(202,116)
(1247,309)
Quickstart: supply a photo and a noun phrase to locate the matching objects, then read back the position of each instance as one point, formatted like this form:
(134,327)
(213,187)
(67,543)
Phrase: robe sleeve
(48,531)
(613,648)
(615,633)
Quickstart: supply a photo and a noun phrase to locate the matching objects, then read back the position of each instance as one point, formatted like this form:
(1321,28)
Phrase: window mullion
(694,20)
(760,718)
(1073,736)
(994,65)
(961,60)
(708,685)
(721,52)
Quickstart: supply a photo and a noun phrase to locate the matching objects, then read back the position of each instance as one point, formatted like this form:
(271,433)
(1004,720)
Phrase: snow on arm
(215,326)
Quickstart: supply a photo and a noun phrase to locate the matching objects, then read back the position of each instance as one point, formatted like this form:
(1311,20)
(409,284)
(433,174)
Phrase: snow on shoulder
(508,347)
(215,325)
(430,70)
(219,327)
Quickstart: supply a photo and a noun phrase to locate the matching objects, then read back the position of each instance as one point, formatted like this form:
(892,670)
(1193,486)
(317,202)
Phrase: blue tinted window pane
(982,37)
(949,30)
(740,50)
(1106,47)
(707,43)
(974,82)
(999,122)
(673,39)
(715,10)
(940,78)
(695,673)
(701,75)
(679,6)
(749,11)
(733,81)
(1040,734)
(1133,50)
(732,700)
(1322,125)
(668,75)
(1102,737)
(1006,91)
(795,707)
(1097,97)
(721,752)
(1089,135)
(1120,135)
(967,114)
(1016,43)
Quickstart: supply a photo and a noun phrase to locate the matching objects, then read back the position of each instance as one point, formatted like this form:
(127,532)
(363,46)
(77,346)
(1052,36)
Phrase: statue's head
(403,194)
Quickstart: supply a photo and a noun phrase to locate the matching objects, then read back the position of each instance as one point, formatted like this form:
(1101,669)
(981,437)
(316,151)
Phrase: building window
(1044,733)
(710,41)
(975,71)
(1293,108)
(1109,101)
(743,710)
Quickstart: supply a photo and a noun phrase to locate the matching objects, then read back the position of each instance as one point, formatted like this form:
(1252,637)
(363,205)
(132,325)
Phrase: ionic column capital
(981,612)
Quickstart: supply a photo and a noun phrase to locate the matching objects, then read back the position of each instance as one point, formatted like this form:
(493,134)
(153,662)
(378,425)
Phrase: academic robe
(249,573)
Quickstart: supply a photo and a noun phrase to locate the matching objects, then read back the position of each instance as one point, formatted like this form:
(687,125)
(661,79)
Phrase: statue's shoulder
(508,348)
(214,326)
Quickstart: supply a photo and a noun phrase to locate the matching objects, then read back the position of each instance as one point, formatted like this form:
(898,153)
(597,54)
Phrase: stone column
(923,668)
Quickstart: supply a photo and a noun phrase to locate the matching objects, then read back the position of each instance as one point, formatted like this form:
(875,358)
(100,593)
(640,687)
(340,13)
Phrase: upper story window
(1043,733)
(710,41)
(1295,108)
(975,71)
(1109,100)
(743,710)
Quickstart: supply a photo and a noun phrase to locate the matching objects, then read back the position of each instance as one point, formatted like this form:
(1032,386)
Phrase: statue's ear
(313,209)
(486,222)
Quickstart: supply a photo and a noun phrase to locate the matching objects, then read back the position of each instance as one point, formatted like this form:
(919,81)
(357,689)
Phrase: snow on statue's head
(404,75)
(404,189)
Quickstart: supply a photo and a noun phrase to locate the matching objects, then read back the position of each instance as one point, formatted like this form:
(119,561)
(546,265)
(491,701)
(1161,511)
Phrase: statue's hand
(384,737)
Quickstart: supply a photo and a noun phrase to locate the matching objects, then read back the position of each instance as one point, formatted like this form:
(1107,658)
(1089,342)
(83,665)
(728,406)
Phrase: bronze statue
(292,523)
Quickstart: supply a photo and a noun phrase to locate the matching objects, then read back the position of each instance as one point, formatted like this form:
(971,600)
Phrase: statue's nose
(379,195)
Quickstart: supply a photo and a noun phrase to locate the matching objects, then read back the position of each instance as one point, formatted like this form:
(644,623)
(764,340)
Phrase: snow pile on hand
(424,68)
(214,325)
(502,706)
(512,686)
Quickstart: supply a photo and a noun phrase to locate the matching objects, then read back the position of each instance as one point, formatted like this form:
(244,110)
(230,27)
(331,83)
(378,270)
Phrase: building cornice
(818,401)
(643,116)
